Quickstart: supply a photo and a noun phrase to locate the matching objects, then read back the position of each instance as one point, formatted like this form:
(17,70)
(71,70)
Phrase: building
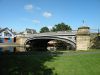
(7,36)
(29,31)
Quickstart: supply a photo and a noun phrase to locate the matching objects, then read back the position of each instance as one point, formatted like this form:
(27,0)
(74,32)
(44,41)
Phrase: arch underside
(42,41)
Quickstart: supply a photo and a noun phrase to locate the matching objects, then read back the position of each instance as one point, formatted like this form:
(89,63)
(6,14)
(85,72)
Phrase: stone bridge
(79,39)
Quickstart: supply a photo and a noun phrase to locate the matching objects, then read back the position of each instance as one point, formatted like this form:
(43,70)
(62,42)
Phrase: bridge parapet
(60,33)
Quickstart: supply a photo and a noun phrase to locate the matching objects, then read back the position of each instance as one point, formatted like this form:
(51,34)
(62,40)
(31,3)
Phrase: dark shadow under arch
(40,42)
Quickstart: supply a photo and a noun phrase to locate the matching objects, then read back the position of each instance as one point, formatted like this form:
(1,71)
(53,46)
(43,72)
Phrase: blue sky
(34,14)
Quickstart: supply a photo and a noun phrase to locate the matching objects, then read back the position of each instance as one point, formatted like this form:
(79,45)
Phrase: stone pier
(83,38)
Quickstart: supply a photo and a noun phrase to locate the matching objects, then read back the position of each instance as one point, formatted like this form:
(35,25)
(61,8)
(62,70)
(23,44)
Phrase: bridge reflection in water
(12,49)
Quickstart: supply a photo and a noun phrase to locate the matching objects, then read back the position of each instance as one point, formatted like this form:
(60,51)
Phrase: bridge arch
(45,39)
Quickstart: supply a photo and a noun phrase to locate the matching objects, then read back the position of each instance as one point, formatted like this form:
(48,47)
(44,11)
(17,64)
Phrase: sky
(35,14)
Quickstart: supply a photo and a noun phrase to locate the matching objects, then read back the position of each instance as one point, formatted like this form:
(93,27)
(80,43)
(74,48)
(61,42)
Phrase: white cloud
(36,21)
(28,7)
(47,14)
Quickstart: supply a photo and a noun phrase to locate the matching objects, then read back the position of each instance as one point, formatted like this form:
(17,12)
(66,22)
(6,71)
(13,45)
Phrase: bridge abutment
(83,38)
(21,40)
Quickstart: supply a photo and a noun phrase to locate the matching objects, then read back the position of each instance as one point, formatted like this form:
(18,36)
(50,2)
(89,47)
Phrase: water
(27,49)
(12,49)
(20,49)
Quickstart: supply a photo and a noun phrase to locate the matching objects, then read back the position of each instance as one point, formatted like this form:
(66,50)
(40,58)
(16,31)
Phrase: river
(12,49)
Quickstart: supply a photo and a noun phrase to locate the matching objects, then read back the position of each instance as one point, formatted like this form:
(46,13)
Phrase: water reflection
(21,49)
(12,49)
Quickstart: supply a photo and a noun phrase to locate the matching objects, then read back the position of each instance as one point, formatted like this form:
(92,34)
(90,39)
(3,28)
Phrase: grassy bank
(51,63)
(76,63)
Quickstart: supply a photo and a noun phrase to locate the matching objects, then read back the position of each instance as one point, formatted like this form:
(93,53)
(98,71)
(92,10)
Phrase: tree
(61,27)
(95,42)
(44,29)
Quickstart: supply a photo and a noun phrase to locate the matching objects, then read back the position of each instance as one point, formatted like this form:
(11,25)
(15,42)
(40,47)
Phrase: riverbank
(51,63)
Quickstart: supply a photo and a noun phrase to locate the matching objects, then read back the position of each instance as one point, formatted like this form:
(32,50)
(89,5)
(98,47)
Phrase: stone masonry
(83,38)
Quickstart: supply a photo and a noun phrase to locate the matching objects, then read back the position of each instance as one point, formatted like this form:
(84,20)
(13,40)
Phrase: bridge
(73,38)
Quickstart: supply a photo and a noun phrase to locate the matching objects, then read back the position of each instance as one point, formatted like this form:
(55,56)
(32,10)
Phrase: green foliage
(96,43)
(61,45)
(61,27)
(44,29)
(57,27)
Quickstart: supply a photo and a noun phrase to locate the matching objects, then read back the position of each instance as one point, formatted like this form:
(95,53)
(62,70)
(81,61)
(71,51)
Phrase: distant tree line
(57,27)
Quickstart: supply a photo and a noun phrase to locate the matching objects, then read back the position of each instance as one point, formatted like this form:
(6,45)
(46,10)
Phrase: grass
(51,63)
(76,63)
